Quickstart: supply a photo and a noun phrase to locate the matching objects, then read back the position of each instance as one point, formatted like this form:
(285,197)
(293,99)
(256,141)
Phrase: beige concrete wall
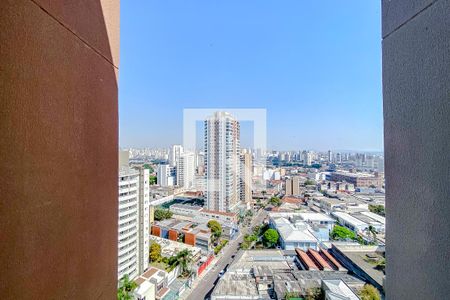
(58,148)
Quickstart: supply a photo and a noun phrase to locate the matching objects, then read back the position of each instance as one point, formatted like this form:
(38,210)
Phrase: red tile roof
(150,273)
(306,260)
(319,260)
(162,292)
(293,200)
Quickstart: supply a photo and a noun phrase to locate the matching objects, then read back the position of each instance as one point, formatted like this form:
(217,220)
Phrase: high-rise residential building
(222,162)
(186,170)
(330,156)
(307,158)
(144,218)
(128,260)
(175,154)
(292,186)
(164,176)
(134,219)
(246,178)
(288,188)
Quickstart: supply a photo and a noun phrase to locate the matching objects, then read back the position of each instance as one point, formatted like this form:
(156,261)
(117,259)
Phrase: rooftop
(348,218)
(338,290)
(293,232)
(235,285)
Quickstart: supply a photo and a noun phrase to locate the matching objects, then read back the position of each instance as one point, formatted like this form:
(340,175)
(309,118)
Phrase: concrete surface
(416,91)
(58,149)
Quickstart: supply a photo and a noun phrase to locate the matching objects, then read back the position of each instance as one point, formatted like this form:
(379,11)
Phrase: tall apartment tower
(186,170)
(246,178)
(330,156)
(293,186)
(175,154)
(144,218)
(163,176)
(134,219)
(307,158)
(222,162)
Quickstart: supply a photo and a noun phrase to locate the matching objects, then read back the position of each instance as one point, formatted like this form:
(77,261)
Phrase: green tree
(161,214)
(216,228)
(155,252)
(377,209)
(314,294)
(152,180)
(373,232)
(126,288)
(150,168)
(275,201)
(184,258)
(309,182)
(381,265)
(342,233)
(271,237)
(369,292)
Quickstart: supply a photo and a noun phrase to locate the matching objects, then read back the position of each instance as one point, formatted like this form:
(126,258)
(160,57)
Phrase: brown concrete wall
(189,238)
(173,235)
(156,231)
(58,149)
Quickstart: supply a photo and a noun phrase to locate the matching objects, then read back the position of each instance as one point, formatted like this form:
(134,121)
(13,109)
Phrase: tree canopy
(342,233)
(309,182)
(275,201)
(369,292)
(271,237)
(126,288)
(155,252)
(215,227)
(152,180)
(161,214)
(377,209)
(150,168)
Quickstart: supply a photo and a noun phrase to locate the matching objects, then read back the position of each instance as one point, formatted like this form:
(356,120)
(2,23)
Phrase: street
(206,284)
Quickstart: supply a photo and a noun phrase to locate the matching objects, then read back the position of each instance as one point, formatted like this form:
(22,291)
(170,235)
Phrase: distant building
(175,154)
(330,156)
(186,170)
(222,162)
(163,176)
(357,179)
(293,186)
(307,158)
(246,178)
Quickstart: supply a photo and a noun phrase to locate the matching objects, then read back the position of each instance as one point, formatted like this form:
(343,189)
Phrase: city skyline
(328,83)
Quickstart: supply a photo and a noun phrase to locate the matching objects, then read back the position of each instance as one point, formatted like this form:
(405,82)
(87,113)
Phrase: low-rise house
(294,235)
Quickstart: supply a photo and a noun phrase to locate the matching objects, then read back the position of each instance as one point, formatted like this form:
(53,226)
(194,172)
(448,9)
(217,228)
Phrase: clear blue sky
(314,65)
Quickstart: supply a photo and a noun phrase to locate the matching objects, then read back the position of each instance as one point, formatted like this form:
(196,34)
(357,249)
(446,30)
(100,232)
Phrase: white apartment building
(133,227)
(144,218)
(128,260)
(175,154)
(222,162)
(307,158)
(186,170)
(163,176)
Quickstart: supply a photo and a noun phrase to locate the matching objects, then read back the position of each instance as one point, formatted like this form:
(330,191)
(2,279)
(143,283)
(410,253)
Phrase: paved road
(209,280)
